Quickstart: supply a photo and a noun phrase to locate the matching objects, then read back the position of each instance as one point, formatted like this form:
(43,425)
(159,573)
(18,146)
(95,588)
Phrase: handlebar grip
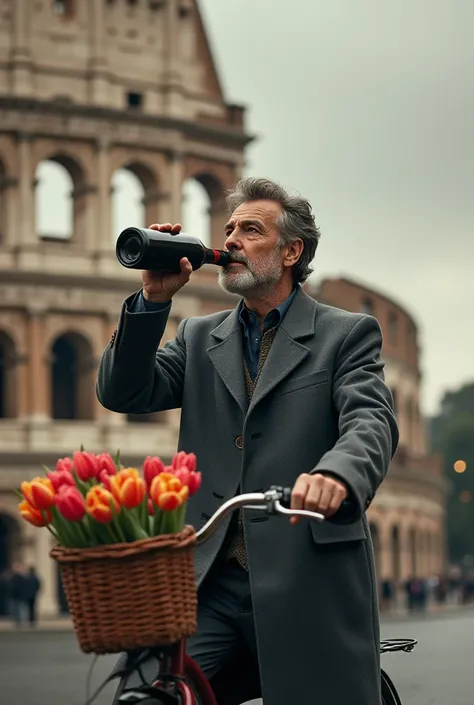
(343,514)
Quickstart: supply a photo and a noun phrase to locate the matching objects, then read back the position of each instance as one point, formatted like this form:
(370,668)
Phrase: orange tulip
(33,515)
(100,503)
(128,488)
(39,492)
(168,492)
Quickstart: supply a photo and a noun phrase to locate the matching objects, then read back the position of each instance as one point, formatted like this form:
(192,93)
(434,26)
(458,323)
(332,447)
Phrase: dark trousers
(224,645)
(225,619)
(32,611)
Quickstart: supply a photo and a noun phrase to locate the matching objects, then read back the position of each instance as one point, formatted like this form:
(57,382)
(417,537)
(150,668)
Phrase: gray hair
(295,221)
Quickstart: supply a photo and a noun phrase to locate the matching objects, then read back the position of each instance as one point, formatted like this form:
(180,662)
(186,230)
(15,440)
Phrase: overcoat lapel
(286,353)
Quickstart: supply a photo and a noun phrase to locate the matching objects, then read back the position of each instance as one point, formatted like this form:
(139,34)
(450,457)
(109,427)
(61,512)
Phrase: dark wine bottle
(141,248)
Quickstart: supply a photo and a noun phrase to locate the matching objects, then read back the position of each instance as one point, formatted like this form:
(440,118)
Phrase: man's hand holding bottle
(160,287)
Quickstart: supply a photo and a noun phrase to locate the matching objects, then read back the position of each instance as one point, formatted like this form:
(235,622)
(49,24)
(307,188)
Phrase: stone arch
(135,193)
(61,178)
(8,376)
(72,377)
(196,210)
(10,552)
(211,211)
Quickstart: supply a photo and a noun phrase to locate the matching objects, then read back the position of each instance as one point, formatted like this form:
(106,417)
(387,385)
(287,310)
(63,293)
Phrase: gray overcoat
(320,405)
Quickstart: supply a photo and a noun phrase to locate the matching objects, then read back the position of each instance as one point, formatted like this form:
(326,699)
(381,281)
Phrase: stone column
(157,207)
(8,211)
(176,163)
(22,376)
(219,217)
(171,76)
(38,369)
(405,554)
(98,82)
(27,226)
(104,202)
(20,55)
(385,552)
(85,216)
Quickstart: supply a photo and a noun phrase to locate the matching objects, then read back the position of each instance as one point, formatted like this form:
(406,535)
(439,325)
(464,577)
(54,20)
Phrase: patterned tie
(236,540)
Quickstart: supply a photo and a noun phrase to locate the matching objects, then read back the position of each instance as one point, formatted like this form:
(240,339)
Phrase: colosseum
(112,114)
(407,517)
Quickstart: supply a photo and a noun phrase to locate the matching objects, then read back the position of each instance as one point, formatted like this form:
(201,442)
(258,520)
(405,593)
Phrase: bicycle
(179,680)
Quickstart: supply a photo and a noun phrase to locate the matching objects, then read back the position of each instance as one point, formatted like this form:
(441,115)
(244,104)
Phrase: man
(281,390)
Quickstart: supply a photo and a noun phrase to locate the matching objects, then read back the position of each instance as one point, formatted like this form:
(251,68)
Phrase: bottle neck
(217,257)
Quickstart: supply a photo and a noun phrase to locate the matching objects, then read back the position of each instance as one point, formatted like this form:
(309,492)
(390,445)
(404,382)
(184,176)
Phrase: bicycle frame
(180,681)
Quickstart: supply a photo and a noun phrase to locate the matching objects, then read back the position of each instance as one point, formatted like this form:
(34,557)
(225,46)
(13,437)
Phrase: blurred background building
(112,114)
(408,515)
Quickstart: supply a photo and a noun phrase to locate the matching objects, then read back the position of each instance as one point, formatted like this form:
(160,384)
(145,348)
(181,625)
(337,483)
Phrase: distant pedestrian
(17,592)
(32,589)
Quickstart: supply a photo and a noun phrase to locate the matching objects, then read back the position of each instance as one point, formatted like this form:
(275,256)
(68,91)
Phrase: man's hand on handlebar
(318,493)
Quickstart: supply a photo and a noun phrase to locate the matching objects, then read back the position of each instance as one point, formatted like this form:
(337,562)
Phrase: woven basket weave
(131,595)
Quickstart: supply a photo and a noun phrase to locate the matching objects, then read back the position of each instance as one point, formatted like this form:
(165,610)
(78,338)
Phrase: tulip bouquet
(91,500)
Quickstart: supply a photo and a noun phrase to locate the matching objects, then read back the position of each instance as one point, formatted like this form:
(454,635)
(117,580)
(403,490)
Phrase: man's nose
(233,242)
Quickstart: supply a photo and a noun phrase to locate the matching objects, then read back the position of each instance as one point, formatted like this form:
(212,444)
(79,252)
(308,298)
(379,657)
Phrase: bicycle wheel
(389,693)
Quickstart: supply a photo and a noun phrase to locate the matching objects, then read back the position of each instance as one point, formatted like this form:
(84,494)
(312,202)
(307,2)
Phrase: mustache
(237,257)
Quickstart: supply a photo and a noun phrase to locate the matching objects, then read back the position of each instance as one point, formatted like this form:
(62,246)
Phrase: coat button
(239,442)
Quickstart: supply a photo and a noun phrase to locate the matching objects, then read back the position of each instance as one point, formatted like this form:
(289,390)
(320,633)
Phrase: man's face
(256,257)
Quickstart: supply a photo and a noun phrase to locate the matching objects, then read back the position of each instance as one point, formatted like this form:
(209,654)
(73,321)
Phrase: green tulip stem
(181,517)
(120,533)
(51,530)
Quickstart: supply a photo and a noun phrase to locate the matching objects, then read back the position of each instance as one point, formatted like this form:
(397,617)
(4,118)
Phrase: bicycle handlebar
(272,501)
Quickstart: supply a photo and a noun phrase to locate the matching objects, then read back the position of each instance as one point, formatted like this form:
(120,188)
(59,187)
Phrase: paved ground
(46,668)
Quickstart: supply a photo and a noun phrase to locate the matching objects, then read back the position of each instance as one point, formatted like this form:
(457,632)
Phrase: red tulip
(128,488)
(39,492)
(187,460)
(59,478)
(70,503)
(64,465)
(150,507)
(104,478)
(85,464)
(168,492)
(152,467)
(191,479)
(105,462)
(99,502)
(194,482)
(33,515)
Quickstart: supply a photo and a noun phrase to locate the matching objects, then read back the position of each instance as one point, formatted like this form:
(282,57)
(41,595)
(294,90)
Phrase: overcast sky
(367,108)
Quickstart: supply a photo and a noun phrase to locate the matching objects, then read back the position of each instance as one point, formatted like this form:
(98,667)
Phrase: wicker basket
(131,595)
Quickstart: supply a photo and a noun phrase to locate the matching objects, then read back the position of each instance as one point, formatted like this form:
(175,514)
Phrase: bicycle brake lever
(297,512)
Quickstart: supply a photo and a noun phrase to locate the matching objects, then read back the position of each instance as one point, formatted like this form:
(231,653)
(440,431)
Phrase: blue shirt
(252,332)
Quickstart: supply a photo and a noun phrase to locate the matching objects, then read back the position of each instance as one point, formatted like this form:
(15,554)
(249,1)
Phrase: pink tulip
(85,464)
(191,479)
(70,503)
(59,478)
(64,465)
(152,467)
(188,460)
(104,478)
(105,462)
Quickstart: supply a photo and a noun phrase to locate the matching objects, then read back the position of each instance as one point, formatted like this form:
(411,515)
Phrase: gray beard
(248,282)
